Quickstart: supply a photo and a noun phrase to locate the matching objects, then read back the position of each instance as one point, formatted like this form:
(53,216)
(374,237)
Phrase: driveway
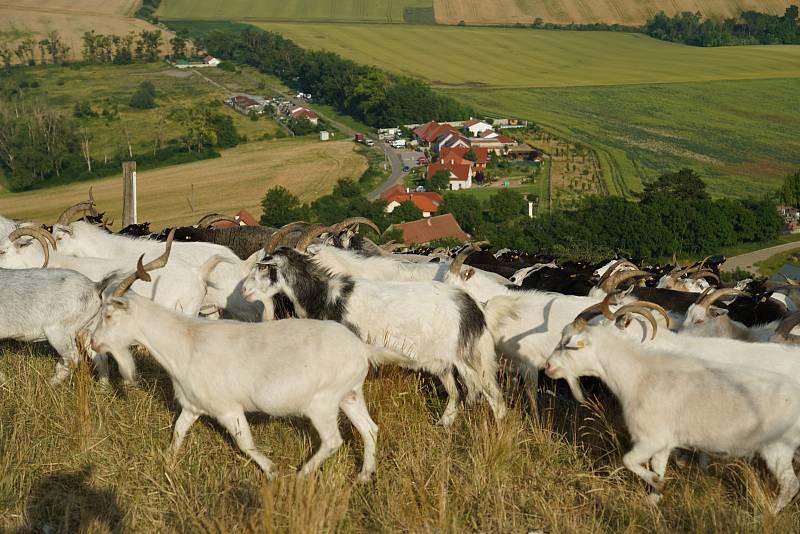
(397,158)
(747,261)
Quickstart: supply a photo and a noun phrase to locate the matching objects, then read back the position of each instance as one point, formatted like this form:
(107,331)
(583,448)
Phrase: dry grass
(180,194)
(628,12)
(548,468)
(19,18)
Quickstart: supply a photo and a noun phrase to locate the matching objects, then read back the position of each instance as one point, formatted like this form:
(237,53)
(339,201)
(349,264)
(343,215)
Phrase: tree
(6,55)
(178,45)
(790,190)
(405,212)
(506,205)
(144,97)
(465,208)
(227,136)
(200,133)
(83,109)
(471,155)
(440,181)
(281,207)
(684,185)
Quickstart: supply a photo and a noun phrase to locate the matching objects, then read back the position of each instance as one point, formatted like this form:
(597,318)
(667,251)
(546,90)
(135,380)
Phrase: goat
(226,368)
(437,327)
(53,305)
(734,410)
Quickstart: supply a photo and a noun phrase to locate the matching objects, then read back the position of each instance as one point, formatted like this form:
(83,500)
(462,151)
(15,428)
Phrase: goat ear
(469,273)
(119,303)
(578,341)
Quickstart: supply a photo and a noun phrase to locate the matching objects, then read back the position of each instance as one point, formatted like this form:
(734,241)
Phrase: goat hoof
(659,483)
(365,477)
(446,420)
(654,498)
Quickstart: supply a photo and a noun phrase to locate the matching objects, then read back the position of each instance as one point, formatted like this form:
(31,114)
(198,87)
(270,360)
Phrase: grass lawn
(774,263)
(299,10)
(181,194)
(483,193)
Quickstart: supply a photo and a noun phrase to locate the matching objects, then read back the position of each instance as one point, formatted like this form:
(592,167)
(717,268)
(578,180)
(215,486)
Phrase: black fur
(472,322)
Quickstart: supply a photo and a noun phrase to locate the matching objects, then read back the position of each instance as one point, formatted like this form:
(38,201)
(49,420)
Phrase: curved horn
(641,310)
(614,266)
(212,218)
(68,214)
(706,274)
(655,307)
(711,298)
(278,235)
(787,324)
(42,236)
(613,281)
(309,235)
(458,262)
(142,270)
(350,221)
(91,196)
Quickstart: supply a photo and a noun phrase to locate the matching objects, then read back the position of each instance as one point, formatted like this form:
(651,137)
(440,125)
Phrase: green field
(394,11)
(645,106)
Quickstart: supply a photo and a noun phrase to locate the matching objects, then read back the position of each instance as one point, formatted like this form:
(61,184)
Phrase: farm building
(301,112)
(460,169)
(430,131)
(427,202)
(247,103)
(523,151)
(481,156)
(474,127)
(430,229)
(211,61)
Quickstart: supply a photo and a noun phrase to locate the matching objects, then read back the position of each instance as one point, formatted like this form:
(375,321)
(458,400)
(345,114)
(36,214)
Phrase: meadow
(386,11)
(23,18)
(644,106)
(181,194)
(83,458)
(625,12)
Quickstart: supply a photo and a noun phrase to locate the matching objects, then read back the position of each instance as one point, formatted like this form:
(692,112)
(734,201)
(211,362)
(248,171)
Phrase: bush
(144,97)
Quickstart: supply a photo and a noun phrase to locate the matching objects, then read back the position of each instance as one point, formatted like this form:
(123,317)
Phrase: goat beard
(575,387)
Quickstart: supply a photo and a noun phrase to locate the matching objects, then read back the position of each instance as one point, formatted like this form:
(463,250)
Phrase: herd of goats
(287,322)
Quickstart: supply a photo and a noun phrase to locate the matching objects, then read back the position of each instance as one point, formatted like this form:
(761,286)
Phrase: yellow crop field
(627,12)
(181,194)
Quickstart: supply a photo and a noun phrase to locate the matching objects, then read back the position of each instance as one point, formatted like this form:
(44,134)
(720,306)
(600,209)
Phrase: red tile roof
(506,140)
(430,131)
(472,122)
(426,230)
(428,201)
(459,171)
(482,154)
(393,191)
(488,133)
(303,113)
(244,217)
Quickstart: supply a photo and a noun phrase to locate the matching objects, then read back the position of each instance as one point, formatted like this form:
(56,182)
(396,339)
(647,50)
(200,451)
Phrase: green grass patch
(346,120)
(483,193)
(773,264)
(752,247)
(391,11)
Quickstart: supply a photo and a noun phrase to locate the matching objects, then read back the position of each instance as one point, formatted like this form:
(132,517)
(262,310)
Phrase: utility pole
(129,215)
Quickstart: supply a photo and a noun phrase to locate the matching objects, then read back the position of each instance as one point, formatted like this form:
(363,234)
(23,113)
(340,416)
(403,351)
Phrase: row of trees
(674,215)
(750,27)
(121,49)
(367,93)
(52,49)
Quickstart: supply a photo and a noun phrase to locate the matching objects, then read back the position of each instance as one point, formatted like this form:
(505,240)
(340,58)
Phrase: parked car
(406,168)
(369,142)
(422,160)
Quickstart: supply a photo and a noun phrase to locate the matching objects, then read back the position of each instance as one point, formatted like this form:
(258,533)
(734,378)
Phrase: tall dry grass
(81,458)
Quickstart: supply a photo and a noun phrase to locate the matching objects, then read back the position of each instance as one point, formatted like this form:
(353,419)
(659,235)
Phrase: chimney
(408,189)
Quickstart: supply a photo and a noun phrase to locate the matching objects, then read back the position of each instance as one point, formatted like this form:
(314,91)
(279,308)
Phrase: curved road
(747,261)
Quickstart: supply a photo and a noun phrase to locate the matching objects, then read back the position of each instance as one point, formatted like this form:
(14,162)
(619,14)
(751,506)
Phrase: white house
(211,61)
(474,127)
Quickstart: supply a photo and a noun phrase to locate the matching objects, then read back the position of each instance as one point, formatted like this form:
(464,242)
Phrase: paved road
(747,261)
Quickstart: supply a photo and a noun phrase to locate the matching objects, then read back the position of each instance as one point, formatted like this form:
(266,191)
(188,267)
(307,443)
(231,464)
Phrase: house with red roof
(427,230)
(427,202)
(481,156)
(304,113)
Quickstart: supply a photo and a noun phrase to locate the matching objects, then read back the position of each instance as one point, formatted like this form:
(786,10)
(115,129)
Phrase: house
(430,131)
(481,156)
(460,169)
(449,139)
(427,202)
(211,61)
(427,230)
(304,113)
(523,152)
(247,103)
(474,127)
(489,144)
(244,218)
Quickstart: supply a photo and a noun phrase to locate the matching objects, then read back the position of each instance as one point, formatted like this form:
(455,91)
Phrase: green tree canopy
(465,208)
(405,212)
(144,97)
(440,181)
(790,190)
(506,205)
(684,185)
(281,207)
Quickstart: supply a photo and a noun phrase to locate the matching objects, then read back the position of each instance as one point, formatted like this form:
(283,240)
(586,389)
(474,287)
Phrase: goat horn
(42,236)
(91,196)
(787,324)
(351,221)
(614,266)
(674,259)
(641,310)
(711,298)
(655,307)
(393,246)
(616,279)
(706,274)
(278,235)
(458,262)
(68,214)
(142,270)
(212,218)
(309,235)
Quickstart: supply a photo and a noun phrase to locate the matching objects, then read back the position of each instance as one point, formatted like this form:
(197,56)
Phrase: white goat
(226,368)
(671,399)
(437,327)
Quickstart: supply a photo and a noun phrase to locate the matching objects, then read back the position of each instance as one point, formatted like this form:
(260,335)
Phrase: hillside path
(747,261)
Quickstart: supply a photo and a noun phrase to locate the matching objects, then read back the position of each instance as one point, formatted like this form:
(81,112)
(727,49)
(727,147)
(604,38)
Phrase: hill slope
(627,12)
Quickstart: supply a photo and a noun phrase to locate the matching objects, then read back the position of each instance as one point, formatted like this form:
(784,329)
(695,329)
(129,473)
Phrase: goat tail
(210,264)
(385,355)
(500,309)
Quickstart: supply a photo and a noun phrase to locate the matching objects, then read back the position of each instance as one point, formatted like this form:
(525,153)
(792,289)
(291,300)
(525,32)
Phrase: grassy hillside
(80,458)
(301,10)
(22,18)
(181,194)
(506,57)
(627,12)
(646,106)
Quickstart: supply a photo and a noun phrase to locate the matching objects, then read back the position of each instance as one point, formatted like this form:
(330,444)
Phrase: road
(747,261)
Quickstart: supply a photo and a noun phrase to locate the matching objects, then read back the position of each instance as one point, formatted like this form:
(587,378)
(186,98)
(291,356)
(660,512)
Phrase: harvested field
(626,12)
(180,194)
(22,18)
